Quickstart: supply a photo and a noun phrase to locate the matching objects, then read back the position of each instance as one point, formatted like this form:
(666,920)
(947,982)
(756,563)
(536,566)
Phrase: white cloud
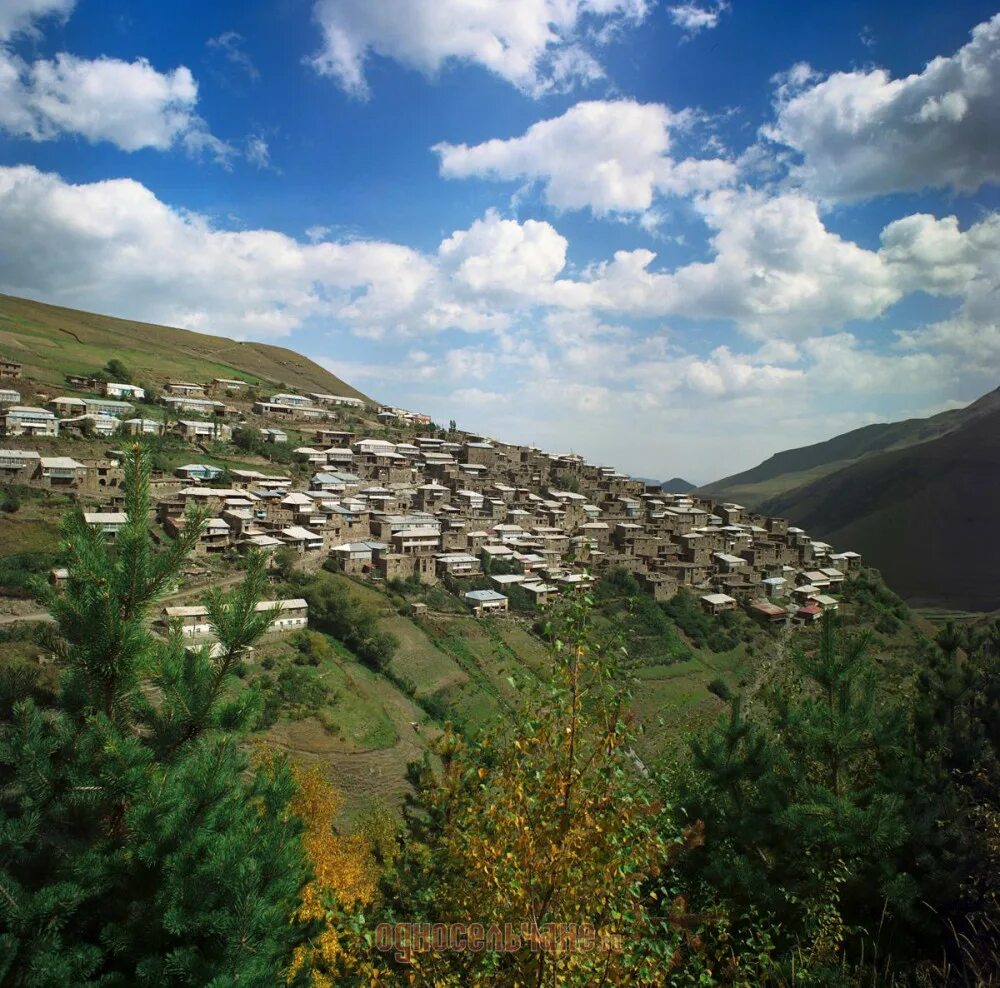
(230,44)
(501,258)
(19,16)
(536,45)
(863,134)
(777,272)
(258,152)
(608,156)
(129,104)
(693,17)
(114,247)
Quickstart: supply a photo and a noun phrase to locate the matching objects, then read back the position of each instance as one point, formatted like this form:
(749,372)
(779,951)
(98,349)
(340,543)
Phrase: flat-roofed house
(142,427)
(184,388)
(198,471)
(315,456)
(9,368)
(193,429)
(9,397)
(61,471)
(192,619)
(290,399)
(108,522)
(274,435)
(188,403)
(290,614)
(301,539)
(774,586)
(541,592)
(25,420)
(97,425)
(117,389)
(458,564)
(67,405)
(767,612)
(107,406)
(228,384)
(18,463)
(485,602)
(716,603)
(357,557)
(325,399)
(374,447)
(728,563)
(422,540)
(339,457)
(333,437)
(288,411)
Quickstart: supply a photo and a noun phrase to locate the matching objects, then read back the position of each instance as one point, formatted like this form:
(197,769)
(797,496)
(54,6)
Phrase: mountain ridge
(924,515)
(800,466)
(52,340)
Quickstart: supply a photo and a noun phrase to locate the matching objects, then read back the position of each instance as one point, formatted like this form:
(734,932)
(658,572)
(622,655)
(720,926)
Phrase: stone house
(60,471)
(716,603)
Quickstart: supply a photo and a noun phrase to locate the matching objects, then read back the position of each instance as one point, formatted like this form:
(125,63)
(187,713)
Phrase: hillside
(924,515)
(677,485)
(51,341)
(794,468)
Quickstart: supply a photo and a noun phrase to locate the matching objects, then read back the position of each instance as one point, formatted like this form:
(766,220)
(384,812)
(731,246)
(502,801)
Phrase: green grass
(51,341)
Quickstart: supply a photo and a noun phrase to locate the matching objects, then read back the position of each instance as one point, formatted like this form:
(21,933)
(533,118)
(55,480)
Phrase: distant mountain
(794,468)
(925,515)
(677,485)
(51,341)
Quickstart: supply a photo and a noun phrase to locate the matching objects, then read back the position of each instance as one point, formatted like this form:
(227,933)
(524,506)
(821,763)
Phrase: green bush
(355,624)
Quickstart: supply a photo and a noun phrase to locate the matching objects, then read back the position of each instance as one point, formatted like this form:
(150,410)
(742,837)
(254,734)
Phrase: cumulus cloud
(113,246)
(777,271)
(863,134)
(498,257)
(693,17)
(20,16)
(608,156)
(538,46)
(129,104)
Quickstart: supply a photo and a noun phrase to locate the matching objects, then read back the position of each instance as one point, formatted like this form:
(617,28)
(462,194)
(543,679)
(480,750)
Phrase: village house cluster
(442,505)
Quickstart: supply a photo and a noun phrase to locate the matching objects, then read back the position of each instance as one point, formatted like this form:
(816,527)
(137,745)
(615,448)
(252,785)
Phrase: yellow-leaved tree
(544,834)
(345,870)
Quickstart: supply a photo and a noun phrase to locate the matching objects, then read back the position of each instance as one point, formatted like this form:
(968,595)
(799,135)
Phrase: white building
(114,389)
(108,522)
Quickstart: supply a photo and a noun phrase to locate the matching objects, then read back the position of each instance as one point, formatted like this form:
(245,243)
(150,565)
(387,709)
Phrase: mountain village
(383,494)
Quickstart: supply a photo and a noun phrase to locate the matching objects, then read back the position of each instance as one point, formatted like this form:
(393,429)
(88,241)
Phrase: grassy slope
(925,516)
(52,341)
(795,468)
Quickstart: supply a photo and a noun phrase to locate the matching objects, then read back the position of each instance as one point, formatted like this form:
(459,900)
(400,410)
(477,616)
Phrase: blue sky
(672,236)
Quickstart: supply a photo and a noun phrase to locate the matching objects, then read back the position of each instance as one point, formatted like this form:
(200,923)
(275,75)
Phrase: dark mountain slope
(926,516)
(677,485)
(793,468)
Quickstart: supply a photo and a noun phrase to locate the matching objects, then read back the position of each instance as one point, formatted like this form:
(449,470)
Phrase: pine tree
(802,818)
(138,844)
